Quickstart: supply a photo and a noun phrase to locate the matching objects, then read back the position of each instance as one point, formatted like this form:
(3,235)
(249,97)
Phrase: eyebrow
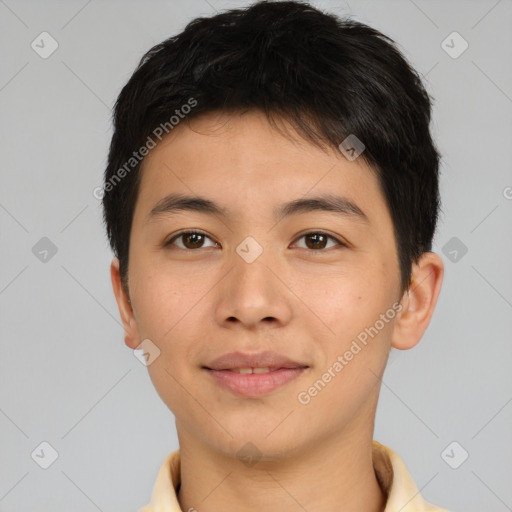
(174,203)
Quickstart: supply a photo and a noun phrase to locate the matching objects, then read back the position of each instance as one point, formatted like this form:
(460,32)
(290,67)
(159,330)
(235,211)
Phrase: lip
(282,371)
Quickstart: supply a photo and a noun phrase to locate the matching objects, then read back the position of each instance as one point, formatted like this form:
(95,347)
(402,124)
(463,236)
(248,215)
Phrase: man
(271,197)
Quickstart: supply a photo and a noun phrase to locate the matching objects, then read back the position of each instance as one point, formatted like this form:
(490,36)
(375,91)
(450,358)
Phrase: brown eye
(318,240)
(190,240)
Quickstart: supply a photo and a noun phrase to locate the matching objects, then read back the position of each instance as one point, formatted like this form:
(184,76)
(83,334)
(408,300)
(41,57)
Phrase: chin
(264,442)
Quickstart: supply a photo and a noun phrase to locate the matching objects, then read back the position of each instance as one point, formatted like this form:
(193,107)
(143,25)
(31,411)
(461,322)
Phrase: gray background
(66,376)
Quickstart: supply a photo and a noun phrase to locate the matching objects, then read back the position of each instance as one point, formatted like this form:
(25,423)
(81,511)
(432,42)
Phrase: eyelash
(192,231)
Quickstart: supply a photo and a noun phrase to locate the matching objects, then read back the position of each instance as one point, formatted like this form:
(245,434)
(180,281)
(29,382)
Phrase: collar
(390,470)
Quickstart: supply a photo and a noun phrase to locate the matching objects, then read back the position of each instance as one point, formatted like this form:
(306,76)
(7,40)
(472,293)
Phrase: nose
(252,296)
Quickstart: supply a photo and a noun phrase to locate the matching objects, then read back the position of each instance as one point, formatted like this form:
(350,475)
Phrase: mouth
(254,375)
(248,371)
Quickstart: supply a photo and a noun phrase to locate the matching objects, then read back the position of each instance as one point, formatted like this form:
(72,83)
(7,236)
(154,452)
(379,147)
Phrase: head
(244,112)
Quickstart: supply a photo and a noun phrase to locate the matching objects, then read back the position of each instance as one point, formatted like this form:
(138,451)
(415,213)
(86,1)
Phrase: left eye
(318,240)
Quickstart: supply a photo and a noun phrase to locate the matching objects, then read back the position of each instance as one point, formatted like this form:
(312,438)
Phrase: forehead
(243,164)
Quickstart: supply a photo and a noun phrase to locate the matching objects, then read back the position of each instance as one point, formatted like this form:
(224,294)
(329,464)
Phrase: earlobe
(419,301)
(131,332)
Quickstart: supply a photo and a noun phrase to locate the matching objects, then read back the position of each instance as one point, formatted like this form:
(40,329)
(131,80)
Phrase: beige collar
(392,475)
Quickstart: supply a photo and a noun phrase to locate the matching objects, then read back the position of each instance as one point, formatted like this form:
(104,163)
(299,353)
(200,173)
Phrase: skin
(307,303)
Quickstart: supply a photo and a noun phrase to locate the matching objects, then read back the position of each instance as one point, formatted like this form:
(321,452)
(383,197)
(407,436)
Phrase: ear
(418,302)
(131,331)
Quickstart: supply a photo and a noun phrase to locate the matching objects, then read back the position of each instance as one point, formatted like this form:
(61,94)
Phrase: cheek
(355,313)
(169,309)
(340,304)
(165,314)
(161,300)
(345,384)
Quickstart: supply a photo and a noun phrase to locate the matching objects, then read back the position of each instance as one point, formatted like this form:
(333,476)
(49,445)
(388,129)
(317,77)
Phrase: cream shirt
(392,475)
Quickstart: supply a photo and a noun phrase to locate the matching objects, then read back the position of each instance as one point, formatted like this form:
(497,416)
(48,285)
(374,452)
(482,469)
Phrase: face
(287,288)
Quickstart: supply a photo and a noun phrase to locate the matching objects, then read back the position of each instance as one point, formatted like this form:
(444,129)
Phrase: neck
(334,475)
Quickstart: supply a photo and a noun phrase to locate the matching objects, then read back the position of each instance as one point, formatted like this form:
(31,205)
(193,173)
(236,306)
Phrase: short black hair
(329,77)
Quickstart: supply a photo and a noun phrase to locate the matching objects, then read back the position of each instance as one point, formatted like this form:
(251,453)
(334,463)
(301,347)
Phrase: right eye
(190,240)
